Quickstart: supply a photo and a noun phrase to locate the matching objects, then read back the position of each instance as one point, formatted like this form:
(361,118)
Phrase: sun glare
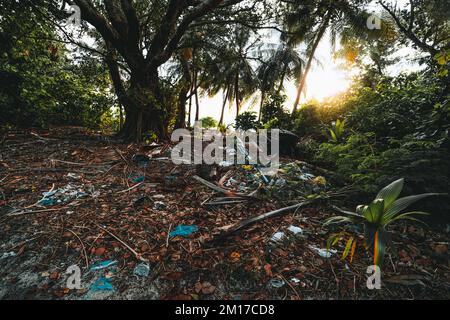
(327,82)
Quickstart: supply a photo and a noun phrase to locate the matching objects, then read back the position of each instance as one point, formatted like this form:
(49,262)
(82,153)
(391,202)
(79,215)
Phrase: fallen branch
(36,211)
(51,170)
(217,203)
(245,223)
(41,138)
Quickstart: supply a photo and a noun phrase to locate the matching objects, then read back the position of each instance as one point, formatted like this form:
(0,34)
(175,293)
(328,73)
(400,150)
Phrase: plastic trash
(280,182)
(276,283)
(159,205)
(102,284)
(183,231)
(306,176)
(62,195)
(277,236)
(225,163)
(324,253)
(142,160)
(170,179)
(142,270)
(103,265)
(8,255)
(49,193)
(47,202)
(295,230)
(73,176)
(138,179)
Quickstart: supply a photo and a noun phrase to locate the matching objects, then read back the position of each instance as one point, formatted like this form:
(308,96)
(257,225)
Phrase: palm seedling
(376,217)
(337,130)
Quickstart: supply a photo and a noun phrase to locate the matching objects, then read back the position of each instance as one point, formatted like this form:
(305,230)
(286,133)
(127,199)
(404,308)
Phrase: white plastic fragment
(73,176)
(276,283)
(142,270)
(277,236)
(324,253)
(295,230)
(8,255)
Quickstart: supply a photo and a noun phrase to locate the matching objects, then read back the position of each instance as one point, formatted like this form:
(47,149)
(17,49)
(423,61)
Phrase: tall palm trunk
(263,98)
(120,117)
(319,37)
(226,91)
(236,88)
(197,104)
(190,104)
(185,86)
(283,75)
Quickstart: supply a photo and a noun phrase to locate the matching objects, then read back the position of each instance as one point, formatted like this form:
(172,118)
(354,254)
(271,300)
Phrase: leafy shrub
(380,213)
(247,121)
(273,115)
(208,122)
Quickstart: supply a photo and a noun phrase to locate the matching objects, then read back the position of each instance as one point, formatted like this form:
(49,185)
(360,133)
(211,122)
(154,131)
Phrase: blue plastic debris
(142,160)
(47,202)
(103,265)
(102,284)
(183,231)
(142,270)
(137,178)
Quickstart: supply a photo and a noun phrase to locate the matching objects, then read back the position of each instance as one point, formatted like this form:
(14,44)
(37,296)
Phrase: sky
(324,80)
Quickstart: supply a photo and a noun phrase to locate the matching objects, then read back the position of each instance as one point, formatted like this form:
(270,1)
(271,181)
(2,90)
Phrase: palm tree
(227,68)
(284,62)
(310,20)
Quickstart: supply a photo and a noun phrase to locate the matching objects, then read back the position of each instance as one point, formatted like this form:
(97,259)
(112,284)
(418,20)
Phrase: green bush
(247,121)
(209,123)
(399,129)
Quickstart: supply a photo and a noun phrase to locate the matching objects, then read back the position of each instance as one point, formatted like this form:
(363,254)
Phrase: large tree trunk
(145,111)
(142,101)
(120,26)
(319,37)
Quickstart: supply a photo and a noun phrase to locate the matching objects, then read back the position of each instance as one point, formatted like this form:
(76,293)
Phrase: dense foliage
(41,84)
(398,129)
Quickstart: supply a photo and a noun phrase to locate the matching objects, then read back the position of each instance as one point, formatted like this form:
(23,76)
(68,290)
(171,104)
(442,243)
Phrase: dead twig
(293,289)
(41,138)
(82,245)
(36,211)
(133,187)
(52,170)
(168,235)
(135,253)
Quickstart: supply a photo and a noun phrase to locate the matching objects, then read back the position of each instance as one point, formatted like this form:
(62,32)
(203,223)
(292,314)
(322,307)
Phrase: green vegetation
(381,212)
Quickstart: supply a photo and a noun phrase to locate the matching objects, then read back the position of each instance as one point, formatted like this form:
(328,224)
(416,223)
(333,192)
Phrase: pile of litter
(141,227)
